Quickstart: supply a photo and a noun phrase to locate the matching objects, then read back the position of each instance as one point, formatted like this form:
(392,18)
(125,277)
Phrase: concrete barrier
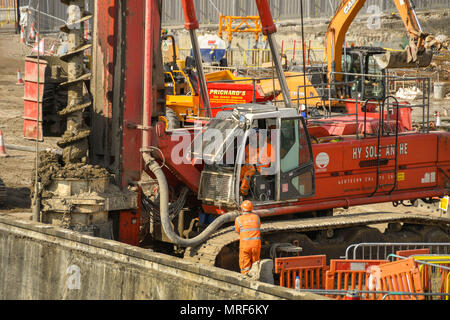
(43,262)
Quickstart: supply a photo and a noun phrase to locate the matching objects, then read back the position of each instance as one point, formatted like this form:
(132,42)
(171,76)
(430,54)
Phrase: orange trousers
(247,172)
(247,257)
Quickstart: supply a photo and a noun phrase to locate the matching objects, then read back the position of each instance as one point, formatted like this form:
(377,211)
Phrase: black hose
(154,167)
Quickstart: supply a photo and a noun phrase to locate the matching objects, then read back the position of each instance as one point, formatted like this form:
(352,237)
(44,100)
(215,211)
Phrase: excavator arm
(346,13)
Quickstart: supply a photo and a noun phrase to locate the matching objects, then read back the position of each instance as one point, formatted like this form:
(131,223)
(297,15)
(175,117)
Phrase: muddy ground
(16,170)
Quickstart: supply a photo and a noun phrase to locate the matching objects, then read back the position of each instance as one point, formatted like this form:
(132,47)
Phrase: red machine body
(345,170)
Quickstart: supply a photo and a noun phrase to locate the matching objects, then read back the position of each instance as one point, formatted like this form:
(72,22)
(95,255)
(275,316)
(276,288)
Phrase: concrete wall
(44,262)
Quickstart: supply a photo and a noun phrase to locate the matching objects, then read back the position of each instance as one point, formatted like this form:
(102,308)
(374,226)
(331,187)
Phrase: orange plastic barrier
(407,253)
(310,269)
(399,276)
(350,275)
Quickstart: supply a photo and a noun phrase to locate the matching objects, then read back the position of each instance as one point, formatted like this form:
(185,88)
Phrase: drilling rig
(76,194)
(136,179)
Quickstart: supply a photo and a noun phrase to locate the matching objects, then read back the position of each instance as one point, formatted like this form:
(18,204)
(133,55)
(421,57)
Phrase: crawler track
(208,252)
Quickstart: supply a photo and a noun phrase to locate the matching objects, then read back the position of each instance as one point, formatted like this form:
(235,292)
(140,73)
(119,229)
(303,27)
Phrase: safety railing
(408,277)
(382,250)
(310,270)
(365,110)
(402,275)
(259,57)
(434,272)
(369,117)
(381,294)
(350,275)
(239,24)
(8,12)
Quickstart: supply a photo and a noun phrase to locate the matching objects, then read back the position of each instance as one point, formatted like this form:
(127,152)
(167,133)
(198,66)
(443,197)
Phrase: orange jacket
(261,157)
(248,226)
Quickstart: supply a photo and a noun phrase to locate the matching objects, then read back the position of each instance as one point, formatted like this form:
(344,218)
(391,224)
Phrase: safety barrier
(415,275)
(402,275)
(424,273)
(382,250)
(7,4)
(7,12)
(351,275)
(310,269)
(434,269)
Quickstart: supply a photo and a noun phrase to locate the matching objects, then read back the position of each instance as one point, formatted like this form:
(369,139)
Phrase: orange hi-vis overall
(255,158)
(248,226)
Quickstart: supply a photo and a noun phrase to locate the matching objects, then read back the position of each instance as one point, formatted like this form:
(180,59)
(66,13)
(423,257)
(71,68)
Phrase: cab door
(296,165)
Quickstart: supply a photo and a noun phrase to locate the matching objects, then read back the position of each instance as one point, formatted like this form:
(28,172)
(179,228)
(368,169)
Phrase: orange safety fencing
(350,275)
(399,276)
(310,269)
(373,279)
(7,4)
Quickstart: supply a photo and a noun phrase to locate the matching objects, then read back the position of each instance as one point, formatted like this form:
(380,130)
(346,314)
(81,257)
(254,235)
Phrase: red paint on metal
(31,103)
(341,180)
(189,15)
(129,227)
(404,113)
(106,43)
(224,94)
(268,27)
(133,90)
(181,167)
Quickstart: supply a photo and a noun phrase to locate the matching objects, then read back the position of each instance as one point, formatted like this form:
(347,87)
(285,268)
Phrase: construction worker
(255,160)
(248,227)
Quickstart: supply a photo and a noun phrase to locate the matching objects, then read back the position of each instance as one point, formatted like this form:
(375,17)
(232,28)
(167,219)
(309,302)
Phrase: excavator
(356,72)
(362,60)
(187,180)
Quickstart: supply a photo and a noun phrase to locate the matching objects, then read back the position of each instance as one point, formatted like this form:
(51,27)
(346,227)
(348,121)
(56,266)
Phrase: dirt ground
(16,170)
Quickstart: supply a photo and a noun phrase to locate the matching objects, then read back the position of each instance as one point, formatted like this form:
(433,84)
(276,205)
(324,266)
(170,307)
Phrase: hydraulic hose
(155,168)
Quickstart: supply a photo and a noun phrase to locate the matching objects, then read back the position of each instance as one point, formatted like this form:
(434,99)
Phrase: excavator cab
(269,146)
(363,74)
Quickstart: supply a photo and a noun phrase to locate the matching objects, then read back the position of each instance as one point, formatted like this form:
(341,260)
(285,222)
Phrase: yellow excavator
(358,60)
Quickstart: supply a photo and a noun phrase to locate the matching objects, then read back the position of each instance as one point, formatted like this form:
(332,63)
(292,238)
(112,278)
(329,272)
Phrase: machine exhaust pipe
(155,168)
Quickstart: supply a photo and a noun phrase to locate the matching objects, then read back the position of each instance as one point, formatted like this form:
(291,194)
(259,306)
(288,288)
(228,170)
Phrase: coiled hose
(155,168)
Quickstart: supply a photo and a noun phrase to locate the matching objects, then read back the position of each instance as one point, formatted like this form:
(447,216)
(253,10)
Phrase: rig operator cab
(226,152)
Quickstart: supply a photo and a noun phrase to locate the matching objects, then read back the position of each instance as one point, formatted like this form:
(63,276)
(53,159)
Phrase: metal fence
(208,10)
(7,12)
(53,12)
